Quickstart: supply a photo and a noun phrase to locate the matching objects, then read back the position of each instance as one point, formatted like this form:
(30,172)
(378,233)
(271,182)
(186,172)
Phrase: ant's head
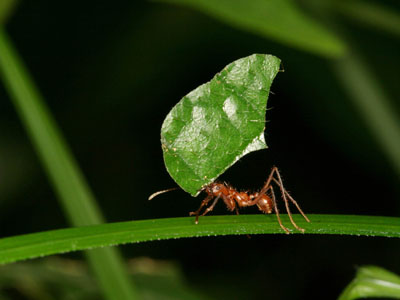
(216,188)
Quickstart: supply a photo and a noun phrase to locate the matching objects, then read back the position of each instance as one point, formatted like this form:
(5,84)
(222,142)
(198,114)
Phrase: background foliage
(111,71)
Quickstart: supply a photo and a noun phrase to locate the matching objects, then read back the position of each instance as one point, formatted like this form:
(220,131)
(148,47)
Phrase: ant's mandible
(233,199)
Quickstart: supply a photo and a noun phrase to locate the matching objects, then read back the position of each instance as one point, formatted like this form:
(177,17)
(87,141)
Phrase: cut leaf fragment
(218,123)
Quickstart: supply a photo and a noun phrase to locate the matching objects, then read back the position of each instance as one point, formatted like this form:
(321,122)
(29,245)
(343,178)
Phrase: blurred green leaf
(88,237)
(281,20)
(373,14)
(6,9)
(219,122)
(372,281)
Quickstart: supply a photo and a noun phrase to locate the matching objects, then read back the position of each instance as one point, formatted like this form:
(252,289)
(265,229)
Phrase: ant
(233,199)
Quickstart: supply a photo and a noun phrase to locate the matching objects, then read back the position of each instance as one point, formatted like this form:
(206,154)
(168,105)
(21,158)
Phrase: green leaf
(372,281)
(281,20)
(219,122)
(89,237)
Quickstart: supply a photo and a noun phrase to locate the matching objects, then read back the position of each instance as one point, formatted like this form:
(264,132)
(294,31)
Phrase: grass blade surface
(89,237)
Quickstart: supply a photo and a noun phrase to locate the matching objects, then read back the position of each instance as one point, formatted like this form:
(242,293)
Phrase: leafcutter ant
(264,199)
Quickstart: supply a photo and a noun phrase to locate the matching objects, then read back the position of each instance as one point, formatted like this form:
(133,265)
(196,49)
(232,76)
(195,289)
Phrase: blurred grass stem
(372,14)
(369,99)
(63,172)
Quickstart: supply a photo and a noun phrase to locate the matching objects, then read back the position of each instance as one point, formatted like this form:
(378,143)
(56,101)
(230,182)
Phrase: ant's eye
(216,188)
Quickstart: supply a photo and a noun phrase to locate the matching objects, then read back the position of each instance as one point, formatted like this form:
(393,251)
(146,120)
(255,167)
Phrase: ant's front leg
(211,207)
(203,203)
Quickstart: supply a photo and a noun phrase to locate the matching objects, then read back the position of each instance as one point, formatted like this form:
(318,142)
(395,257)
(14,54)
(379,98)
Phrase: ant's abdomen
(265,204)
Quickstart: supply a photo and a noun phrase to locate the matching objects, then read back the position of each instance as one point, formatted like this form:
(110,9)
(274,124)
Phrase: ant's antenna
(161,192)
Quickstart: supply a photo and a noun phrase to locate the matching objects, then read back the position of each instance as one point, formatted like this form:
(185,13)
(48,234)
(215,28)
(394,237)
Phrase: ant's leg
(277,211)
(211,207)
(267,184)
(294,202)
(203,203)
(265,188)
(275,169)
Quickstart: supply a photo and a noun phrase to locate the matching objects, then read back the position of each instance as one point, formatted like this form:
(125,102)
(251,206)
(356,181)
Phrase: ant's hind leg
(277,211)
(294,202)
(266,187)
(203,203)
(284,193)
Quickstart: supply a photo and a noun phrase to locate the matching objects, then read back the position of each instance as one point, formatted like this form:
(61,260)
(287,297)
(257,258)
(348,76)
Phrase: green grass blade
(7,7)
(372,14)
(72,239)
(281,20)
(77,199)
(372,281)
(370,100)
(74,194)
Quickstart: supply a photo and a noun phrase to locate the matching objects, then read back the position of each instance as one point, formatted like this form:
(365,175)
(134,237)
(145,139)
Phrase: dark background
(111,71)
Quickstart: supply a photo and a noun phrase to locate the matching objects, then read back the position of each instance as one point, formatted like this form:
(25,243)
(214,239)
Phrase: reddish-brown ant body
(233,199)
